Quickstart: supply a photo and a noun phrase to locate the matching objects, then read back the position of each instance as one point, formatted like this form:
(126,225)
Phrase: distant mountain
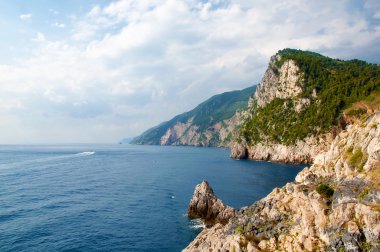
(214,122)
(126,140)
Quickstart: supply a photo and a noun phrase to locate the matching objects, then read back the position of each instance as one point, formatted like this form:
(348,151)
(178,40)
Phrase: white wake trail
(47,159)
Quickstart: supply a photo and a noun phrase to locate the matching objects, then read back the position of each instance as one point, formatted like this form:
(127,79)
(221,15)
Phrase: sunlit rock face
(332,206)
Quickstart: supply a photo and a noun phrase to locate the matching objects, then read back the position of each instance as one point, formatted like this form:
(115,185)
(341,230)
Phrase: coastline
(301,216)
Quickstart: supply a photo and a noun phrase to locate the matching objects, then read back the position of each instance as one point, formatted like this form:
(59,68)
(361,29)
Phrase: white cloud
(134,63)
(25,17)
(39,38)
(59,25)
(54,12)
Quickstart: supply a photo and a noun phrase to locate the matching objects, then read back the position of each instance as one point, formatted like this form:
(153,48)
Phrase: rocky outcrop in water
(302,152)
(208,207)
(332,206)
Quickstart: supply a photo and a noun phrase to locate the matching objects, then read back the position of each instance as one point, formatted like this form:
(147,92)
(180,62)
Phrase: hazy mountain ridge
(214,122)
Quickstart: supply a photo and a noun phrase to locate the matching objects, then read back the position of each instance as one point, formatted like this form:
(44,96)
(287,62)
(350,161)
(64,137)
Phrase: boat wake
(43,160)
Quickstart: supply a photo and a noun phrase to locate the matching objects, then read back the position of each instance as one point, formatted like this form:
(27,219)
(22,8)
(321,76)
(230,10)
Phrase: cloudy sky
(97,71)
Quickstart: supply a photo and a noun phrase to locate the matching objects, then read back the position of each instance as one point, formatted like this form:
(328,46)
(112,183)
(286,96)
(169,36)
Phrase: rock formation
(302,152)
(332,206)
(284,82)
(279,82)
(220,134)
(208,207)
(215,122)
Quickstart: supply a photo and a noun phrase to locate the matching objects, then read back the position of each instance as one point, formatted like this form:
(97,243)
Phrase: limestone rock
(284,82)
(303,152)
(297,217)
(205,205)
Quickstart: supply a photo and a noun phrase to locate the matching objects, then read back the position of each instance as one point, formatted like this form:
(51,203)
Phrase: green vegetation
(366,246)
(338,85)
(240,230)
(356,158)
(216,109)
(325,191)
(356,112)
(363,194)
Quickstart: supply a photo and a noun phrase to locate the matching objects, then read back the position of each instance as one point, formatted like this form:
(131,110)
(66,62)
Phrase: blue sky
(98,71)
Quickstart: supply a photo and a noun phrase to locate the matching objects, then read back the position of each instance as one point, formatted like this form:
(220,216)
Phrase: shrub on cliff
(337,83)
(325,191)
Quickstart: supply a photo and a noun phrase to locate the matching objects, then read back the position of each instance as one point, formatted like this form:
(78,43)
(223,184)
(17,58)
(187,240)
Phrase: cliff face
(332,206)
(298,106)
(215,122)
(220,134)
(303,152)
(284,82)
(279,82)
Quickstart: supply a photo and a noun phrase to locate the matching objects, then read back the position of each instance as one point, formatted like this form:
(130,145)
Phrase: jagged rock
(208,207)
(282,82)
(297,218)
(303,152)
(239,151)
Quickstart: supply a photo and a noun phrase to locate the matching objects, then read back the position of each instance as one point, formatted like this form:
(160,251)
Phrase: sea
(87,197)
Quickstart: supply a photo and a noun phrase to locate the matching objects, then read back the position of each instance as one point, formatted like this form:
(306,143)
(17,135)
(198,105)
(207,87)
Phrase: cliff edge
(297,109)
(332,206)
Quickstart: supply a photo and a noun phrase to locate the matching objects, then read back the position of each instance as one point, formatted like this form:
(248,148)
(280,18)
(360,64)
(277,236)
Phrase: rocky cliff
(284,82)
(332,206)
(215,122)
(208,207)
(297,108)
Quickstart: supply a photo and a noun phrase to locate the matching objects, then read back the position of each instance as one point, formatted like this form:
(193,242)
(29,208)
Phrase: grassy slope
(217,108)
(339,84)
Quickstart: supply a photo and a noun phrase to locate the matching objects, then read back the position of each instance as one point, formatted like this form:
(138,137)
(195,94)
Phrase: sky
(98,71)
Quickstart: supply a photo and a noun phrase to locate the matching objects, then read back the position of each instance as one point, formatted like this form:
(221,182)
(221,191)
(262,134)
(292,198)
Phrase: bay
(118,197)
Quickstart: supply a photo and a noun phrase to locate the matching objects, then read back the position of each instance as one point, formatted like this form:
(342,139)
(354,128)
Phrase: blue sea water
(118,197)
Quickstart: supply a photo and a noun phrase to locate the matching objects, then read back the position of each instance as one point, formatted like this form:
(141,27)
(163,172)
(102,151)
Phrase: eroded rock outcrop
(208,207)
(220,134)
(282,82)
(215,122)
(303,152)
(279,82)
(332,206)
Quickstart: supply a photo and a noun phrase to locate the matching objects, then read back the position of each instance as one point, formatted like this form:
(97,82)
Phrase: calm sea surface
(118,197)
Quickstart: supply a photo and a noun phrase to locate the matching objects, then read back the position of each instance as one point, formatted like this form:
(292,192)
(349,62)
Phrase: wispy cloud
(134,63)
(54,12)
(25,17)
(59,25)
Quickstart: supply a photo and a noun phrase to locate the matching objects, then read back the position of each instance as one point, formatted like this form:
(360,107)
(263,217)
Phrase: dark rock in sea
(208,207)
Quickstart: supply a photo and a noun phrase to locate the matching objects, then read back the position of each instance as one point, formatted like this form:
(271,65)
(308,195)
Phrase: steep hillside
(332,206)
(214,122)
(298,106)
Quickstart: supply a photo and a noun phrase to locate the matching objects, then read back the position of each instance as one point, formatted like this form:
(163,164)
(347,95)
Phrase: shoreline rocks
(332,206)
(303,152)
(205,205)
